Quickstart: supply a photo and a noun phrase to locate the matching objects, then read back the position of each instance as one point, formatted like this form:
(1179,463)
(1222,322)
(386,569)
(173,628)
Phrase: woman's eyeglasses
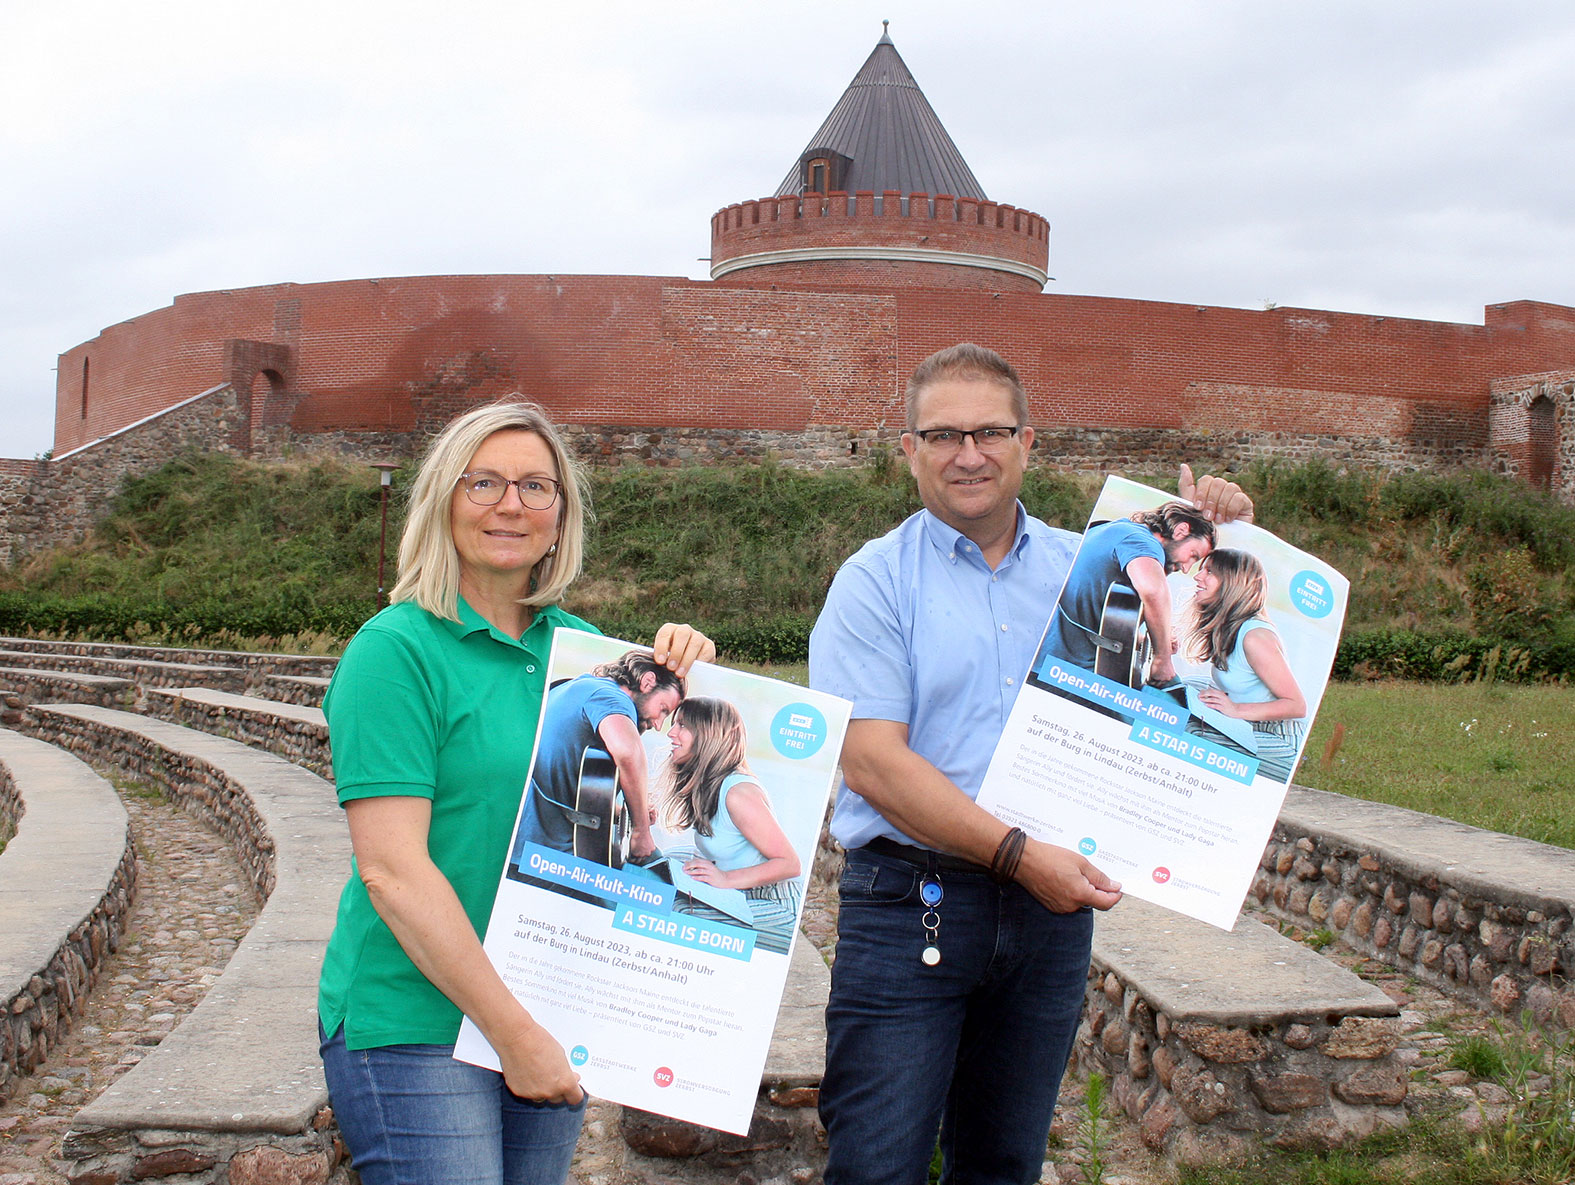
(485,488)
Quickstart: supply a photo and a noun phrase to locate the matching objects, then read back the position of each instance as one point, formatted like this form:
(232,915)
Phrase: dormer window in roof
(822,170)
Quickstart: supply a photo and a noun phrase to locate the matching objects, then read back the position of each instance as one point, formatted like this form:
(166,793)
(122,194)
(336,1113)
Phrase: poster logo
(1087,846)
(798,731)
(579,1055)
(1161,875)
(663,1077)
(1312,594)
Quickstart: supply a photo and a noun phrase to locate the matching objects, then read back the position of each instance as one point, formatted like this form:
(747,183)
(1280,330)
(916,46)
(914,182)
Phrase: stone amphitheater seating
(293,731)
(239,1080)
(66,882)
(1209,1038)
(294,689)
(36,685)
(142,671)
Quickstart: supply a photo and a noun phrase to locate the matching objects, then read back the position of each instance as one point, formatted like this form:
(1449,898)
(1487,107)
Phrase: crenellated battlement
(912,240)
(913,207)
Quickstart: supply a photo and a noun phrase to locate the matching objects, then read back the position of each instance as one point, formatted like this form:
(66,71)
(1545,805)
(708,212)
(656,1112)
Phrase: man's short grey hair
(966,361)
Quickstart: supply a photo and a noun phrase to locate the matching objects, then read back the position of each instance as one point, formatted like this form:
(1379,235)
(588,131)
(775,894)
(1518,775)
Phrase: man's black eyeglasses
(987,440)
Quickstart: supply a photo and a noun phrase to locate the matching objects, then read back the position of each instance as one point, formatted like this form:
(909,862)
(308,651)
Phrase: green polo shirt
(435,709)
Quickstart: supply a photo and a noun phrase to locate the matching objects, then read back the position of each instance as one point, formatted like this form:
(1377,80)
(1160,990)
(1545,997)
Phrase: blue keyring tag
(930,892)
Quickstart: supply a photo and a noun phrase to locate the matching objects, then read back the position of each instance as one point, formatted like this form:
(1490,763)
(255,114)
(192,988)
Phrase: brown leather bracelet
(1008,855)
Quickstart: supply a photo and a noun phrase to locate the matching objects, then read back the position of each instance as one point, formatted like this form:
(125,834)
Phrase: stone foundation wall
(1204,1093)
(1084,450)
(21,516)
(785,1143)
(1504,949)
(65,496)
(234,1158)
(52,502)
(32,1018)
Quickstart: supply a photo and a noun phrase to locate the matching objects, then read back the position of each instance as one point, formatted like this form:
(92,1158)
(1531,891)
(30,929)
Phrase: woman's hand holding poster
(660,969)
(1170,699)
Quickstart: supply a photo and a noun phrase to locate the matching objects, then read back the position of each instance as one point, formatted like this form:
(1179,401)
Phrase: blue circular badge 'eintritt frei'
(1312,594)
(798,731)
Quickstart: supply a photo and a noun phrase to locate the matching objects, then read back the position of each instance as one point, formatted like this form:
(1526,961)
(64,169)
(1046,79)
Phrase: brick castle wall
(402,355)
(670,371)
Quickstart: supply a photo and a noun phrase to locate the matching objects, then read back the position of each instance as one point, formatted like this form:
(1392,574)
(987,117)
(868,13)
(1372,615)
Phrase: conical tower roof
(888,134)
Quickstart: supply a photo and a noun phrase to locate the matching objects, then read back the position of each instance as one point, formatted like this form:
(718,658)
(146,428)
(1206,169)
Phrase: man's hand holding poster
(1169,701)
(652,893)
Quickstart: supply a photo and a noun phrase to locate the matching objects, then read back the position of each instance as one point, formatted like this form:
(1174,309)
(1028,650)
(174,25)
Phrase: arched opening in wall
(1542,442)
(84,387)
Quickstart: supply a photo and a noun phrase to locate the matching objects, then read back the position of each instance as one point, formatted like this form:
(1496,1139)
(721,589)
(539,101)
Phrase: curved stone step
(294,689)
(144,672)
(66,883)
(1216,1040)
(242,1071)
(1488,918)
(255,661)
(35,684)
(295,732)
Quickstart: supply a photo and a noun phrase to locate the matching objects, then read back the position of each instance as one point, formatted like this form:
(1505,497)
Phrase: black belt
(922,858)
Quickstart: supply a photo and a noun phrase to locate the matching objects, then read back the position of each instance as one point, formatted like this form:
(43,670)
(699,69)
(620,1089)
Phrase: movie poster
(658,957)
(1169,701)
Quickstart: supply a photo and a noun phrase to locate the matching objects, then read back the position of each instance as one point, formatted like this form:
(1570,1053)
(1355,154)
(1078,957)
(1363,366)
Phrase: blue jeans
(412,1115)
(973,1047)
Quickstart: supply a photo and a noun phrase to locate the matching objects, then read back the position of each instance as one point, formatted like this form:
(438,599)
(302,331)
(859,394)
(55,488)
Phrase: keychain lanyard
(931,894)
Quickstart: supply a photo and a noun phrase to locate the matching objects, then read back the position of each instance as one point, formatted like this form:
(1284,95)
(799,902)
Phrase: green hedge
(768,640)
(114,619)
(1448,656)
(783,638)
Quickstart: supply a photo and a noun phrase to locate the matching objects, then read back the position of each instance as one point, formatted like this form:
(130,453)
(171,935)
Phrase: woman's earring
(553,550)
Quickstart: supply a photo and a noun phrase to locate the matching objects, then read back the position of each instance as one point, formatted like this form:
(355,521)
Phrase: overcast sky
(1408,159)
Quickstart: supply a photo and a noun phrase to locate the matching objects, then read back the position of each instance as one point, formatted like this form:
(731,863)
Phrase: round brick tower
(881,198)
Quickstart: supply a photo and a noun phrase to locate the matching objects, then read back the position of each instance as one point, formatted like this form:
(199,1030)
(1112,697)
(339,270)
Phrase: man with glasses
(963,946)
(606,709)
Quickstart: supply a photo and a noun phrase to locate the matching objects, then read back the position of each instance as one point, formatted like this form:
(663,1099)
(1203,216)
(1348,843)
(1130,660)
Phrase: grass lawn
(1495,756)
(1491,755)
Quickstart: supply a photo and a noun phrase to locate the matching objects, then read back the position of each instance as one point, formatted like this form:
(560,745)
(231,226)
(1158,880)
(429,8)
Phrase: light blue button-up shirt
(917,628)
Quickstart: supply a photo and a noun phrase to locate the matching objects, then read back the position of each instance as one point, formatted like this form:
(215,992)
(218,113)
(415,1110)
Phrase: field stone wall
(303,742)
(1205,1093)
(1501,947)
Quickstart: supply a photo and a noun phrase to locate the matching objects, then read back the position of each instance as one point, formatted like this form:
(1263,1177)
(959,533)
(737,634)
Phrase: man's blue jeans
(974,1046)
(412,1115)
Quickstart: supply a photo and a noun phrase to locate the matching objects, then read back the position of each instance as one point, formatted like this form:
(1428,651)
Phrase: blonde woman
(707,786)
(432,715)
(1251,680)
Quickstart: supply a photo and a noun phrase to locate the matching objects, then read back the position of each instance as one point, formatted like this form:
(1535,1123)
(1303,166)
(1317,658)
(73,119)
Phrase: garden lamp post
(385,477)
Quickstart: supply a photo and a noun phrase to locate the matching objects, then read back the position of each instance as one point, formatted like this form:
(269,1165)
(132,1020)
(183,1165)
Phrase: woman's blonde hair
(691,792)
(1243,589)
(428,561)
